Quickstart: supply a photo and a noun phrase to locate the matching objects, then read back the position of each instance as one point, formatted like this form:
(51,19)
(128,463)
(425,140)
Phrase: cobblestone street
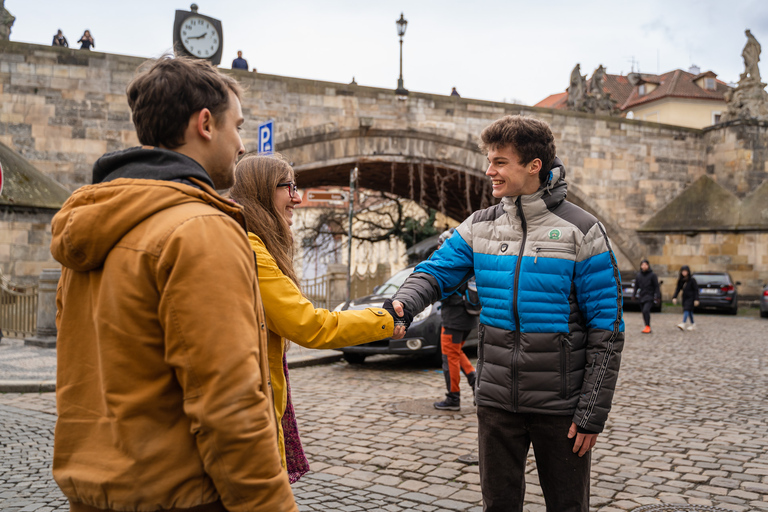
(689,426)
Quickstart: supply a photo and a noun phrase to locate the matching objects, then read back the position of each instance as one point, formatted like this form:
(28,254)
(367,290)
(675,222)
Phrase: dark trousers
(647,305)
(504,438)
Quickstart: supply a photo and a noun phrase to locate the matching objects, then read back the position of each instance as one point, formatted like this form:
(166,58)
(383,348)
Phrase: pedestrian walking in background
(647,290)
(687,284)
(240,62)
(86,41)
(551,329)
(163,393)
(457,322)
(60,40)
(266,189)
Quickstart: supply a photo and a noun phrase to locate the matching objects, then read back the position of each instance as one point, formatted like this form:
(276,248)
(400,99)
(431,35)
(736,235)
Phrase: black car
(717,291)
(764,302)
(422,338)
(628,292)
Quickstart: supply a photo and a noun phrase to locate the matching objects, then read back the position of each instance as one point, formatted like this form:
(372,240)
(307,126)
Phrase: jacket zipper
(516,346)
(609,351)
(563,368)
(551,249)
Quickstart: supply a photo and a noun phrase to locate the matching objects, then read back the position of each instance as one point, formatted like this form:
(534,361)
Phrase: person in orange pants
(457,324)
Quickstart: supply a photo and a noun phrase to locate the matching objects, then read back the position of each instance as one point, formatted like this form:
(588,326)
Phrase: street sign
(266,137)
(317,195)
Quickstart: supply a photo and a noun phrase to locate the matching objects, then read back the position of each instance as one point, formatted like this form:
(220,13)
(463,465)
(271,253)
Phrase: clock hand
(200,36)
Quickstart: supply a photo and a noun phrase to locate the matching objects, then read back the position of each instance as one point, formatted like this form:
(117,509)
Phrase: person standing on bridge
(265,186)
(647,290)
(240,62)
(163,391)
(551,328)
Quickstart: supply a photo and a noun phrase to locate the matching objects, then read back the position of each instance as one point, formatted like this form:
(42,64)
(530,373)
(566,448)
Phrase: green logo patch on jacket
(554,234)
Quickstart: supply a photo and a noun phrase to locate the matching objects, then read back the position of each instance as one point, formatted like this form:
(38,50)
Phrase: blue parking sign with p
(266,135)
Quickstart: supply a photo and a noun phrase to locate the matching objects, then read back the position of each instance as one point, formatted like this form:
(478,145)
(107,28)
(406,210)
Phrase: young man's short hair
(164,96)
(531,138)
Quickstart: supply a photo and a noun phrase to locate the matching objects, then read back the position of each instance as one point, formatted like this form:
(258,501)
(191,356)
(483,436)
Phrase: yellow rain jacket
(291,316)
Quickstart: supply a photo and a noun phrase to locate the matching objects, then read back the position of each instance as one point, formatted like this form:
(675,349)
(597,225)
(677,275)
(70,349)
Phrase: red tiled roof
(616,85)
(677,84)
(554,101)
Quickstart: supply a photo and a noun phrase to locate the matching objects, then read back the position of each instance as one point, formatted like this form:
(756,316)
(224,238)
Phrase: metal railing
(318,292)
(18,308)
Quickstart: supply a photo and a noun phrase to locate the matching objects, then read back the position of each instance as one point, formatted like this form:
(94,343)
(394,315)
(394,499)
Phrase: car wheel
(764,314)
(354,358)
(734,311)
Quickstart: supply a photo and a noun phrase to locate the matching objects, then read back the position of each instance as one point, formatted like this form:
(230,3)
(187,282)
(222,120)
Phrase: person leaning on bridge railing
(265,186)
(551,328)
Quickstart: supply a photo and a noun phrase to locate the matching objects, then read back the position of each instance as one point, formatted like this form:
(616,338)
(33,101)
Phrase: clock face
(199,37)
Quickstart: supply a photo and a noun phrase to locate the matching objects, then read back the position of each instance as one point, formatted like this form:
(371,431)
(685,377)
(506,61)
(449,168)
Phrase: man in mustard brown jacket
(163,389)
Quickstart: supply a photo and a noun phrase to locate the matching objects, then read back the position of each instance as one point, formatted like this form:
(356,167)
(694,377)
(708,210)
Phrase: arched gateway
(436,171)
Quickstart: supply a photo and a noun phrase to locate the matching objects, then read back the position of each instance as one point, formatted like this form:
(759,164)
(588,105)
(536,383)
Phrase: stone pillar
(337,284)
(45,336)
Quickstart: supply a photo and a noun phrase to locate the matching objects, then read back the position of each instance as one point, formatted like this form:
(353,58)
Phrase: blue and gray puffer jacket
(551,328)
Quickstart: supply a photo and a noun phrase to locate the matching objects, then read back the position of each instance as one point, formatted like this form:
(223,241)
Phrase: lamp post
(401,26)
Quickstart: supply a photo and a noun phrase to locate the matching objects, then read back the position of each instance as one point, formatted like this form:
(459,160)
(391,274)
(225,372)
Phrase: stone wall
(743,255)
(25,239)
(63,108)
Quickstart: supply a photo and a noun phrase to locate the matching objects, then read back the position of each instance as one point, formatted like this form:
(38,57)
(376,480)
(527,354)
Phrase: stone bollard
(337,284)
(45,336)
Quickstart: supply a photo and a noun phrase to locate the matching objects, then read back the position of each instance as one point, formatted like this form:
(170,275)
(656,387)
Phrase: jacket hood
(96,217)
(148,163)
(550,194)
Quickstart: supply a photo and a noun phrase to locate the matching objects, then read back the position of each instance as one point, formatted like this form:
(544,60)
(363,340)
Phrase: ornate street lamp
(402,23)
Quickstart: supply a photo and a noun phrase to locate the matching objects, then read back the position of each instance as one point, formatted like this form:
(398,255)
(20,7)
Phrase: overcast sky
(502,50)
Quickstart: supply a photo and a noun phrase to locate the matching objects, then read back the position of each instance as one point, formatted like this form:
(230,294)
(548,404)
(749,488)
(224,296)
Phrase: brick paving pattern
(689,426)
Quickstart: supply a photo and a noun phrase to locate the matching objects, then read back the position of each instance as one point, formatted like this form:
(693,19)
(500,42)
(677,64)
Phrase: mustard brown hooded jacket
(163,395)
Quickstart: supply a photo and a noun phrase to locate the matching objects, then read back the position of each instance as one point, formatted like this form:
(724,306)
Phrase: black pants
(504,438)
(647,305)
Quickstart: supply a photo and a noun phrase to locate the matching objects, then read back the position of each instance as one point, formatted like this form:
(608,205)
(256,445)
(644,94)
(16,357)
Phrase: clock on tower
(198,36)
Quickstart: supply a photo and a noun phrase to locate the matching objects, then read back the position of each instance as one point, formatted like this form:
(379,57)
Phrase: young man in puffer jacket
(551,328)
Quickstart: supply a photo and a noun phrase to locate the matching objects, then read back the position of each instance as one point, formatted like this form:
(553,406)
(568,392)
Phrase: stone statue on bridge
(748,100)
(577,91)
(6,22)
(751,54)
(590,98)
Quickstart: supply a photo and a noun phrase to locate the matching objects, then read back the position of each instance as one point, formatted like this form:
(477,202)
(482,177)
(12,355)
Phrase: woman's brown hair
(256,179)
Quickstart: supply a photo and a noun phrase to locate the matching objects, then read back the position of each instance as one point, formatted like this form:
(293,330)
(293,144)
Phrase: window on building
(709,84)
(716,116)
(641,90)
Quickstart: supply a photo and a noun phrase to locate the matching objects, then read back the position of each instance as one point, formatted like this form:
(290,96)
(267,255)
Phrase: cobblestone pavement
(689,426)
(19,362)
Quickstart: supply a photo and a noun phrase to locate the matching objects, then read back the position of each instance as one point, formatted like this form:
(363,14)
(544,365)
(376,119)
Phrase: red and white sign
(318,195)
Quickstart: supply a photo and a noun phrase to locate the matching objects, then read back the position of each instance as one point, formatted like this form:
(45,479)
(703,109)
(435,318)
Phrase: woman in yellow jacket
(265,188)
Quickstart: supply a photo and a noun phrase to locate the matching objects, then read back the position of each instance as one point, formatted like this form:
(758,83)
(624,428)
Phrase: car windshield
(705,279)
(394,283)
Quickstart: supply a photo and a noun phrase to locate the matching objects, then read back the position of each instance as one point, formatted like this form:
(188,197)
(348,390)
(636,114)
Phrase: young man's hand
(584,442)
(401,315)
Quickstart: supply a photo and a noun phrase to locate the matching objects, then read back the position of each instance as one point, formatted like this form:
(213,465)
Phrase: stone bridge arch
(436,170)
